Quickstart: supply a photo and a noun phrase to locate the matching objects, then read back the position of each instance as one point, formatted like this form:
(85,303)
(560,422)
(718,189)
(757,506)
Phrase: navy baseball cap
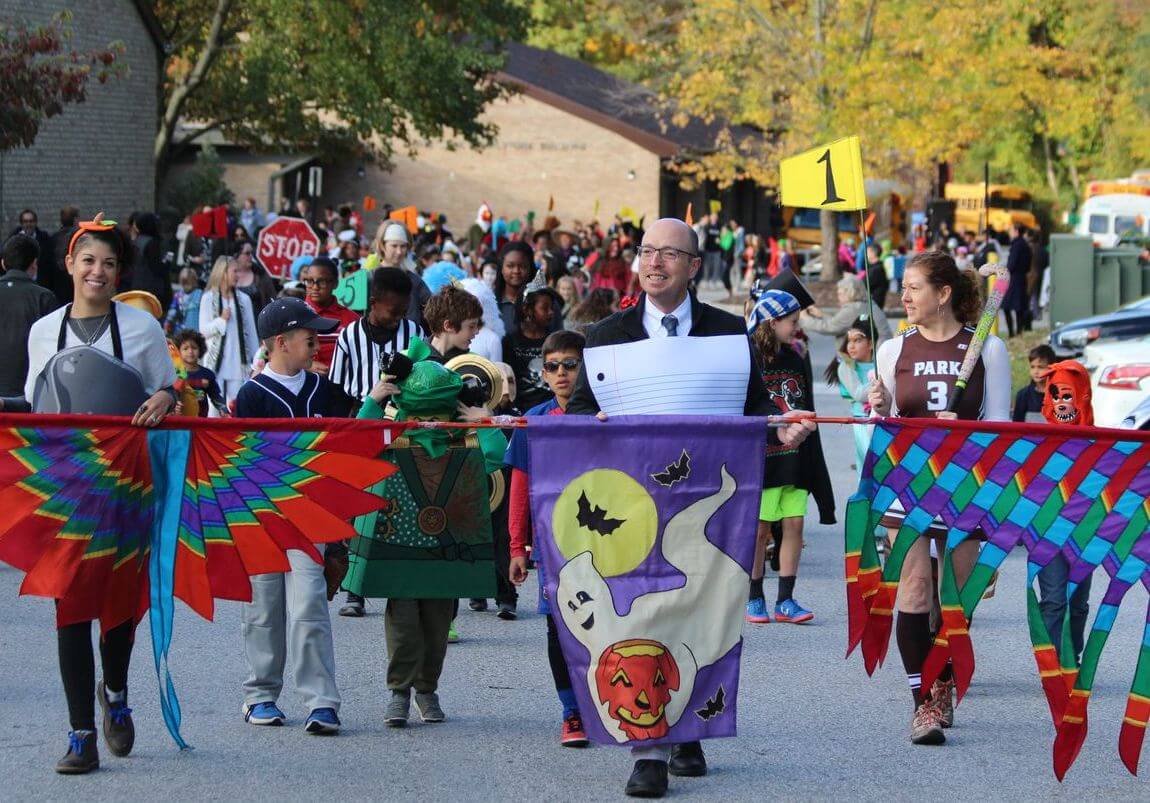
(285,314)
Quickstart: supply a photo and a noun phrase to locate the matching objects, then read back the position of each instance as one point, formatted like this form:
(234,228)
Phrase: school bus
(1008,204)
(889,221)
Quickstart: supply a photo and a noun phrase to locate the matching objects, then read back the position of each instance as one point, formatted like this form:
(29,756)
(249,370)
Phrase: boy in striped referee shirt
(383,330)
(355,365)
(290,605)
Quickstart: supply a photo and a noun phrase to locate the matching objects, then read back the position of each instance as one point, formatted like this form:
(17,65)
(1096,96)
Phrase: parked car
(1139,417)
(1119,378)
(1128,321)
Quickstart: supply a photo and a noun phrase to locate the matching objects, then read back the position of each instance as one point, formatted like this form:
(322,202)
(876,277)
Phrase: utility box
(1086,281)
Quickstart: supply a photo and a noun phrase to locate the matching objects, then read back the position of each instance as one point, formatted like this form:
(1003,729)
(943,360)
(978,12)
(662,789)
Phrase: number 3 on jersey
(938,393)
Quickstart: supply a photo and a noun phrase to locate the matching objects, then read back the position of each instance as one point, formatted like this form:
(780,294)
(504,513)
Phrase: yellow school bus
(803,227)
(1008,204)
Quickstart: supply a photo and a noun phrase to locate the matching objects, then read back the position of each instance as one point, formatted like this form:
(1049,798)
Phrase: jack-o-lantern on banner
(646,530)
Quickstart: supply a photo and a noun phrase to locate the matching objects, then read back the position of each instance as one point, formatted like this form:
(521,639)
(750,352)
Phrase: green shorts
(783,502)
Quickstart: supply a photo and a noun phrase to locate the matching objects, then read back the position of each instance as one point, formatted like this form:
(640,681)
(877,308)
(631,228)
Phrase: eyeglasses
(647,254)
(317,282)
(551,366)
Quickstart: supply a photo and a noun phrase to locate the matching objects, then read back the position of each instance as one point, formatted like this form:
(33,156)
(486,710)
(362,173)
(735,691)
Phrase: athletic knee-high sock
(786,588)
(756,589)
(913,633)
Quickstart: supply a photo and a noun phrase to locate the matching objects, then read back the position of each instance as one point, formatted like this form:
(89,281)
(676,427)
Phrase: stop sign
(282,241)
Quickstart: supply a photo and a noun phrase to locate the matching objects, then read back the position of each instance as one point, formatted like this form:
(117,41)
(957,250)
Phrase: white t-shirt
(142,338)
(293,383)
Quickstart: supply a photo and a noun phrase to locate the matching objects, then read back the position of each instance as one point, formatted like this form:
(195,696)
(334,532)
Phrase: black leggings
(555,657)
(78,667)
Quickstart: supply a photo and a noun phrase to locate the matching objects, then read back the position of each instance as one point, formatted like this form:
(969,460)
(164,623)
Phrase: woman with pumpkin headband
(98,356)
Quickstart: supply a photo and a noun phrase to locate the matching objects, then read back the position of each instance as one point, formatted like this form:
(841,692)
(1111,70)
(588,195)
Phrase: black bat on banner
(715,706)
(594,518)
(676,472)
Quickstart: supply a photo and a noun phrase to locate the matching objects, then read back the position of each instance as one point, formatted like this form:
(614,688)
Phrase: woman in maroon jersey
(916,376)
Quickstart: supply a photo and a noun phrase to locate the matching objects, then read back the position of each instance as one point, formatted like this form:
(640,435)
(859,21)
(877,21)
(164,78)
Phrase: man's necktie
(671,324)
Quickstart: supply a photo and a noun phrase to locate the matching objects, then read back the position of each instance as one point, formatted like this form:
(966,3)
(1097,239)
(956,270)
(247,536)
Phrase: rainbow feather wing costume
(113,521)
(1081,492)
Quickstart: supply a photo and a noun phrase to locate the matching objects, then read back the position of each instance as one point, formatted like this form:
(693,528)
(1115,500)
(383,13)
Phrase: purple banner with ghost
(646,528)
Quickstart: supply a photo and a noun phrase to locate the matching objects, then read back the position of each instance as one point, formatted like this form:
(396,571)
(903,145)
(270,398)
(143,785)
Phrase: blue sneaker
(757,611)
(322,721)
(790,611)
(263,714)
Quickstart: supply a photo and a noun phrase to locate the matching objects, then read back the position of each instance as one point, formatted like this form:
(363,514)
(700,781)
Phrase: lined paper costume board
(1082,492)
(114,521)
(708,374)
(649,524)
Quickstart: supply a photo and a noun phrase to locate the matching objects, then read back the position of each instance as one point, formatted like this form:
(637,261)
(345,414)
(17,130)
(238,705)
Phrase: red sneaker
(573,734)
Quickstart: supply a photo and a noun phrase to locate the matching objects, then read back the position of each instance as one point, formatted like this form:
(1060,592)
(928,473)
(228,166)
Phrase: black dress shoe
(687,760)
(648,779)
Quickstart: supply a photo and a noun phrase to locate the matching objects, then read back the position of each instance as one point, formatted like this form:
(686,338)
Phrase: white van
(1106,218)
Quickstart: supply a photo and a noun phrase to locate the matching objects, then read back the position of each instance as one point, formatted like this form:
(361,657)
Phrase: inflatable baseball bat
(989,316)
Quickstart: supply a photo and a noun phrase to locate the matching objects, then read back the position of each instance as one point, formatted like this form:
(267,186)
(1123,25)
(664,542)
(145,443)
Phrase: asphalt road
(812,725)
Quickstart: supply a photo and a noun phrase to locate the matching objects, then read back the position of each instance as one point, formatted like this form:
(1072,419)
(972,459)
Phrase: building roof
(628,109)
(147,11)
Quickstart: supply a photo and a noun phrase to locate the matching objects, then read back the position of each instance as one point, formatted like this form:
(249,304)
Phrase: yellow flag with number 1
(826,177)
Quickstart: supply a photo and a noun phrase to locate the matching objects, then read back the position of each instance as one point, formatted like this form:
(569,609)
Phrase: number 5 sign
(826,177)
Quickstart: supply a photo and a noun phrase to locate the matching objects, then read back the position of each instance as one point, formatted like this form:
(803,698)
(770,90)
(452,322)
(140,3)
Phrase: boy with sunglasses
(562,356)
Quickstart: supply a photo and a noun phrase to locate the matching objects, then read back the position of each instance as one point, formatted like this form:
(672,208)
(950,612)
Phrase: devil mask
(635,678)
(1067,397)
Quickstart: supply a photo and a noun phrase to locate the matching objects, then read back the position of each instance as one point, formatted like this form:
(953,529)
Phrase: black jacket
(22,303)
(626,326)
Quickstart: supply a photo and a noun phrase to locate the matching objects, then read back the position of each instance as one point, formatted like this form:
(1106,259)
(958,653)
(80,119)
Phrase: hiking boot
(427,704)
(477,604)
(573,734)
(82,756)
(942,698)
(397,708)
(353,608)
(925,727)
(119,732)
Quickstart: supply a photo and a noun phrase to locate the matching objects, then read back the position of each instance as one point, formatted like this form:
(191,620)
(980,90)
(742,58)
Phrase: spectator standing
(150,273)
(319,280)
(22,303)
(252,279)
(61,283)
(712,249)
(1016,305)
(251,218)
(46,262)
(229,326)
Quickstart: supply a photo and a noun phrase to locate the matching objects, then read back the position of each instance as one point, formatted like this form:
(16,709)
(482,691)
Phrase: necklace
(89,336)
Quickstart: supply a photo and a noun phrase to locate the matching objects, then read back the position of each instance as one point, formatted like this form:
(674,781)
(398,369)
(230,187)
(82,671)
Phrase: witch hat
(785,280)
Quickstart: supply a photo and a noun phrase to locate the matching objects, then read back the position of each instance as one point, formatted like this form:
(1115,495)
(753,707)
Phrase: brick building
(572,132)
(97,154)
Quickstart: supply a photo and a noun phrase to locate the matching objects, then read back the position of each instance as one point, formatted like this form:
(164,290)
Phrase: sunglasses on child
(551,366)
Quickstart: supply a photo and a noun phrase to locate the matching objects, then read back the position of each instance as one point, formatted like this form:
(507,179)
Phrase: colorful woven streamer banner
(1082,492)
(112,520)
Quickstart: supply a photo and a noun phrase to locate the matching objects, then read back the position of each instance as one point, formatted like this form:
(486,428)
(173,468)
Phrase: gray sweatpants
(297,599)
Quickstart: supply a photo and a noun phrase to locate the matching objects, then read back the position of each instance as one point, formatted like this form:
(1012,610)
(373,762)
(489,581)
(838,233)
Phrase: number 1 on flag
(826,177)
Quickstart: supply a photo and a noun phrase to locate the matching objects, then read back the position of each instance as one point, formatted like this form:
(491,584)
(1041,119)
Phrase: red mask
(1067,397)
(635,678)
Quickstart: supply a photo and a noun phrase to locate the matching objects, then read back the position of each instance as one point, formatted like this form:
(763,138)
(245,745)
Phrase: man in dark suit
(669,259)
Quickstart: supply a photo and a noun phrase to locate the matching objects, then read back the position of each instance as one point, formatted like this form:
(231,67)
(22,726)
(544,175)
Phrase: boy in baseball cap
(286,389)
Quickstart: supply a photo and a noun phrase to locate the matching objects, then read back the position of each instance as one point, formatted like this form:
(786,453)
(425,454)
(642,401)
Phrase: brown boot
(942,698)
(81,757)
(119,731)
(925,727)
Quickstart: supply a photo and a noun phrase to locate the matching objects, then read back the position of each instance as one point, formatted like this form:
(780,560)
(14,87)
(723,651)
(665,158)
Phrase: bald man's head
(671,228)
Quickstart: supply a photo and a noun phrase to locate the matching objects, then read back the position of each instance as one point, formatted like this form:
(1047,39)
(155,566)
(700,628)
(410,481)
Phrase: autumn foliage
(40,74)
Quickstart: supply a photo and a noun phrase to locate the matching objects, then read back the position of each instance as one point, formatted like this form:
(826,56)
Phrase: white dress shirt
(653,318)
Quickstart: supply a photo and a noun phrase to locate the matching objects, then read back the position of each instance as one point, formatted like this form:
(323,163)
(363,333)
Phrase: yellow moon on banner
(609,514)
